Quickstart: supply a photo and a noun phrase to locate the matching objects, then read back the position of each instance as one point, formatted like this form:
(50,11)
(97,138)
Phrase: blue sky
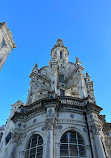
(85,28)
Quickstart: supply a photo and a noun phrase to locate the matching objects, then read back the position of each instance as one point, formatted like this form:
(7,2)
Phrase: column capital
(95,129)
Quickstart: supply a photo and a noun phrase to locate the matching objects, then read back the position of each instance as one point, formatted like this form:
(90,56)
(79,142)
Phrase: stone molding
(63,104)
(74,122)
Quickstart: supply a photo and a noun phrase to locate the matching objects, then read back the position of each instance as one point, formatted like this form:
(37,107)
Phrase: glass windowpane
(82,150)
(64,150)
(34,147)
(72,145)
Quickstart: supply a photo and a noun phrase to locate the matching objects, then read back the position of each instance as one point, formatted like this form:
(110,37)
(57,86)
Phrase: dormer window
(60,54)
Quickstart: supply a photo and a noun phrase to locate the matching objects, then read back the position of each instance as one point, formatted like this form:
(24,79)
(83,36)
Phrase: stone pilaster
(98,143)
(50,125)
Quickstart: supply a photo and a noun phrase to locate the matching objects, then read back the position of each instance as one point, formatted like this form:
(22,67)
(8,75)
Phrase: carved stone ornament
(95,129)
(16,137)
(49,124)
(50,121)
(60,127)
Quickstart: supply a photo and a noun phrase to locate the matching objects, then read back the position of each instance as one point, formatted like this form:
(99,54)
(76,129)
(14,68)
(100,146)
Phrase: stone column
(50,125)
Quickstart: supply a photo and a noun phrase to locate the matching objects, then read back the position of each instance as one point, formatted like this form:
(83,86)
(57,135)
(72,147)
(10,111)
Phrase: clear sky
(83,25)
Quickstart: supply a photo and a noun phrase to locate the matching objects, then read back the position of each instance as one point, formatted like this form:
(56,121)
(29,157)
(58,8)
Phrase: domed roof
(59,42)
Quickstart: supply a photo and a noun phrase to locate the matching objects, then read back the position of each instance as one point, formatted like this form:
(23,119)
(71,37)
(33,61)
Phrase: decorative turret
(59,78)
(35,69)
(88,78)
(78,61)
(90,89)
(15,106)
(60,53)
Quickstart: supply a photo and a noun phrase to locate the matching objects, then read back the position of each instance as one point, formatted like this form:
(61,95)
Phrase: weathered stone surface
(6,43)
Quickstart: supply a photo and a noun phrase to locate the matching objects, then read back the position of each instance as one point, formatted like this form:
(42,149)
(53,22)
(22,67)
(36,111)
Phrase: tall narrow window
(62,78)
(72,145)
(62,92)
(60,54)
(34,147)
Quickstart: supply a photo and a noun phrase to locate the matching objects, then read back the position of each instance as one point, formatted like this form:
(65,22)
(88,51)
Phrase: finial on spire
(59,42)
(88,78)
(87,75)
(78,61)
(35,67)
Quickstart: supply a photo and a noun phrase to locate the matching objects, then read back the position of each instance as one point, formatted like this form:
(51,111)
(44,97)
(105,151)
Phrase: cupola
(59,42)
(60,53)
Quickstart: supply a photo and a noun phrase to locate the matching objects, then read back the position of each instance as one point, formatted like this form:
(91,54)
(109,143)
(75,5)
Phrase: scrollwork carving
(50,121)
(16,137)
(95,129)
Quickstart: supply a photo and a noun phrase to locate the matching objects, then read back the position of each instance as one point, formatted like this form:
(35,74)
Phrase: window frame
(61,78)
(61,55)
(36,147)
(68,143)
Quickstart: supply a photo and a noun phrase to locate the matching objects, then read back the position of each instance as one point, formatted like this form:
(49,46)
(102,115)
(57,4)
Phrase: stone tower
(6,43)
(61,118)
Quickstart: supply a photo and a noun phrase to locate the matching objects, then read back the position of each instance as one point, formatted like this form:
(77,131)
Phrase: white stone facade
(60,114)
(6,43)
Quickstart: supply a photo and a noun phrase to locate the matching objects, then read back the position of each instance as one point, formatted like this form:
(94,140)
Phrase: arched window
(34,147)
(72,145)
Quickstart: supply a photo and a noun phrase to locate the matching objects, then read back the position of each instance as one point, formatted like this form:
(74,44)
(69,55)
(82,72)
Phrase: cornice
(28,114)
(63,104)
(74,122)
(91,107)
(107,126)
